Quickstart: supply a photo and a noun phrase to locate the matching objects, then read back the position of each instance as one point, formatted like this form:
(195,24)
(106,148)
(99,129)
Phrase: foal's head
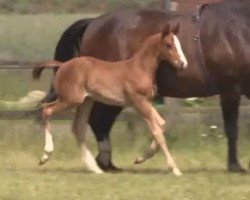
(170,47)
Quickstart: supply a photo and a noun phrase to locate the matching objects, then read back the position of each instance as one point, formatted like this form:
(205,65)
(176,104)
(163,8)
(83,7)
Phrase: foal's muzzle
(180,65)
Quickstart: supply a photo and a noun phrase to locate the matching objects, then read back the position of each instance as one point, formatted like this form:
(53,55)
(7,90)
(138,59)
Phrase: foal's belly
(108,96)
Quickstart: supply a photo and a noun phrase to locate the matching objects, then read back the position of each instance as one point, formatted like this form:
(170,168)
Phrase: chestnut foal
(82,80)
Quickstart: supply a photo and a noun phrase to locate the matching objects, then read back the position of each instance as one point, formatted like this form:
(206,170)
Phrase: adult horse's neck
(148,56)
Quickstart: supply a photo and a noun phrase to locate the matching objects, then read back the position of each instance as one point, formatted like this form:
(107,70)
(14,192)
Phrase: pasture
(202,159)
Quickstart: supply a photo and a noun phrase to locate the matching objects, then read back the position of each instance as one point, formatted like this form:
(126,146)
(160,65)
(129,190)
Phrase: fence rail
(14,64)
(12,114)
(33,114)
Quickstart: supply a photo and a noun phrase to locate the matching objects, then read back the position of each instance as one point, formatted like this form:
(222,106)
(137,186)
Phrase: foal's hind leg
(144,107)
(79,129)
(153,148)
(149,153)
(48,110)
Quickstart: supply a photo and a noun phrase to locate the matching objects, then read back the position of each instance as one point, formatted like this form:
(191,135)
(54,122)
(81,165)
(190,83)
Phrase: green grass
(60,6)
(29,38)
(33,37)
(202,161)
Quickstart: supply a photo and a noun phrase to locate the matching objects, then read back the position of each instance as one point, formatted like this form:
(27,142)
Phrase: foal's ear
(176,29)
(166,30)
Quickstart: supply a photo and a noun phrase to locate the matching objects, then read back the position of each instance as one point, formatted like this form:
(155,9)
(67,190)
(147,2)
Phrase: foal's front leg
(144,107)
(79,129)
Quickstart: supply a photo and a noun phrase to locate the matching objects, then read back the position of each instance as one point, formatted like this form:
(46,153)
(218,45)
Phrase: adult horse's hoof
(108,168)
(236,168)
(113,168)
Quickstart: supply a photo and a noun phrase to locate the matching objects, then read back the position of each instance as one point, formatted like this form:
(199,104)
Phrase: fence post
(170,5)
(166,4)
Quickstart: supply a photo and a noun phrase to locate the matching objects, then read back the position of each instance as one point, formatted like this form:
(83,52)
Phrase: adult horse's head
(170,47)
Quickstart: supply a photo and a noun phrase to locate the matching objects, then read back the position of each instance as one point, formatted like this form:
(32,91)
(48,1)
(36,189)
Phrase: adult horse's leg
(230,100)
(79,130)
(101,120)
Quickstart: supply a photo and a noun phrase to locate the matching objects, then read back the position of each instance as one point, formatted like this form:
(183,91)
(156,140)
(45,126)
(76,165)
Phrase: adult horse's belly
(118,38)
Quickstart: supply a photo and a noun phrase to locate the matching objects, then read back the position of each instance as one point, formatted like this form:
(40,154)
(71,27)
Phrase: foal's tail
(37,71)
(67,48)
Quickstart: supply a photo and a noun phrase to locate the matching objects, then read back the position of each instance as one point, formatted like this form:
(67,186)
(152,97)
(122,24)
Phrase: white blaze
(180,52)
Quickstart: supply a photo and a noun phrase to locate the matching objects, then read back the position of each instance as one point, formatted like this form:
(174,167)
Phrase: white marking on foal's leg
(49,147)
(180,52)
(89,160)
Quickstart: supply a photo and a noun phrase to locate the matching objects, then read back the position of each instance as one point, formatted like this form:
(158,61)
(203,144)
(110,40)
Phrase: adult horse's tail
(68,45)
(66,49)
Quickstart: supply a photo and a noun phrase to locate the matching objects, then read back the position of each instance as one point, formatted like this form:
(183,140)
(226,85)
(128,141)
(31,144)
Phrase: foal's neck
(148,56)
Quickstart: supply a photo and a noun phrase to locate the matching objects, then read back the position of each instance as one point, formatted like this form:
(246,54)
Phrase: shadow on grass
(148,171)
(185,171)
(47,170)
(145,171)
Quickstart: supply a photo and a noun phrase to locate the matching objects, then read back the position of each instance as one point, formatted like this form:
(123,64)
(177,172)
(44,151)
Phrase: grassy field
(29,38)
(73,6)
(202,161)
(33,37)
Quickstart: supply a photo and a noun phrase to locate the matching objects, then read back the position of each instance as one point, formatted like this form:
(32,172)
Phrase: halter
(196,18)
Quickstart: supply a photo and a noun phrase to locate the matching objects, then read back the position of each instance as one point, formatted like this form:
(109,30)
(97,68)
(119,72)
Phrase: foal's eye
(169,46)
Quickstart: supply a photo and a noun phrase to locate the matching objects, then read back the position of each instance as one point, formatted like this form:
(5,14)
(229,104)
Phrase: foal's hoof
(236,168)
(139,160)
(44,159)
(41,163)
(177,172)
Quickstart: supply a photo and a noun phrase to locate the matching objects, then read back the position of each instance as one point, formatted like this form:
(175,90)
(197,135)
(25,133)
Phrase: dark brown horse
(217,47)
